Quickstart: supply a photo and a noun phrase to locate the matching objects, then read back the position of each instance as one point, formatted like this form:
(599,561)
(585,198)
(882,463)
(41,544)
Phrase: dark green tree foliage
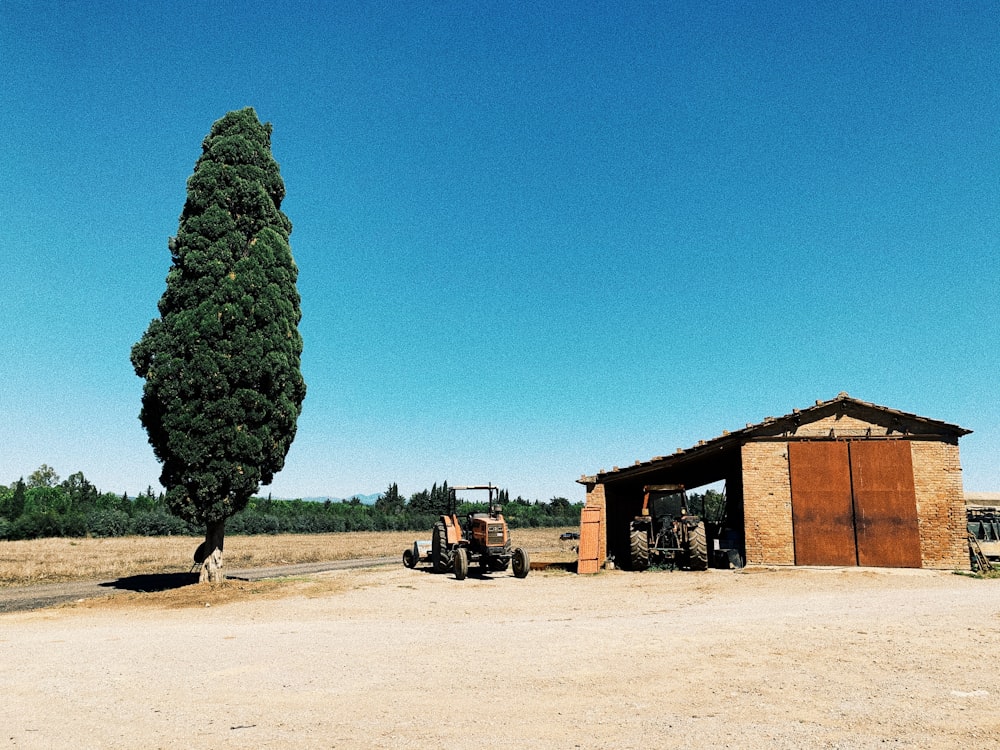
(435,502)
(14,506)
(43,476)
(711,505)
(75,507)
(390,501)
(223,387)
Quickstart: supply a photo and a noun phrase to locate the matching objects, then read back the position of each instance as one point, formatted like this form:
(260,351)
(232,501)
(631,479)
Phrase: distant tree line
(46,506)
(422,509)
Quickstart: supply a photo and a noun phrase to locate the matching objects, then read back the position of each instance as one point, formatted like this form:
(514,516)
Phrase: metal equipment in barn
(984,536)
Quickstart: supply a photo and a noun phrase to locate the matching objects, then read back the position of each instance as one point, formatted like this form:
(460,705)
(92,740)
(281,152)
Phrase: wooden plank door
(885,504)
(588,554)
(822,509)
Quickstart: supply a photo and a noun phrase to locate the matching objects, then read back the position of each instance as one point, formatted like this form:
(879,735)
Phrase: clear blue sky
(535,239)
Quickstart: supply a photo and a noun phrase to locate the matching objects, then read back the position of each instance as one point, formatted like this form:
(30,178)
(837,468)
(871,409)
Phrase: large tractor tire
(440,555)
(638,549)
(697,548)
(520,562)
(461,563)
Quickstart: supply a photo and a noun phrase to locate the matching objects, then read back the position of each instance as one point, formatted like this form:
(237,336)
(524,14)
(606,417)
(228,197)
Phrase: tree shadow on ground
(150,582)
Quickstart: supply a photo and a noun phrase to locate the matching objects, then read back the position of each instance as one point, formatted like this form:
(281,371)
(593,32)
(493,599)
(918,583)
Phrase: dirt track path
(395,658)
(26,598)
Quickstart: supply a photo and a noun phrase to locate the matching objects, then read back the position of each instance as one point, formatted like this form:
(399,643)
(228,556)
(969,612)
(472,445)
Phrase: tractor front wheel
(408,559)
(461,564)
(520,562)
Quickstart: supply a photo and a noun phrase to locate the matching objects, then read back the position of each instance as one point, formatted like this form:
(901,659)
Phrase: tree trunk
(211,551)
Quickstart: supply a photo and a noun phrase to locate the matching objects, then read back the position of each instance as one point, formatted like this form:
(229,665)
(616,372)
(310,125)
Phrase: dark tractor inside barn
(666,533)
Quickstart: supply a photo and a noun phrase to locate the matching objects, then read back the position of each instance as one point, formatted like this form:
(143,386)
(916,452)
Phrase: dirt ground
(395,658)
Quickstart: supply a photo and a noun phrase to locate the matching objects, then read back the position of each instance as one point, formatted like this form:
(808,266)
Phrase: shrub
(73,524)
(109,522)
(253,523)
(35,525)
(301,525)
(337,524)
(360,523)
(158,523)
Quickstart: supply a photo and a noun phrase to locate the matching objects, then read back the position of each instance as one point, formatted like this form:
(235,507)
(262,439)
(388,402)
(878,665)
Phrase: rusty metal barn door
(591,529)
(822,509)
(885,504)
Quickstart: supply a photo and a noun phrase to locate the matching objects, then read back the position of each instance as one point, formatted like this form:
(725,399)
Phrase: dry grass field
(56,560)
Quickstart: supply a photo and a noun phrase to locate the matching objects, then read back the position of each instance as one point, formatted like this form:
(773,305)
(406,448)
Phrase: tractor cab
(664,501)
(486,532)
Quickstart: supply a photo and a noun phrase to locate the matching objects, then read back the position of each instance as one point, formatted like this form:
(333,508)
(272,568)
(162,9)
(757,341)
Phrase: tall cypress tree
(223,388)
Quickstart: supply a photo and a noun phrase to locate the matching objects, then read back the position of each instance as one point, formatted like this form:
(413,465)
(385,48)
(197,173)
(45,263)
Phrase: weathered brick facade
(937,480)
(767,504)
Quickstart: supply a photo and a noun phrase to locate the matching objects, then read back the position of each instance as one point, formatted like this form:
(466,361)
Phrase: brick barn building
(842,482)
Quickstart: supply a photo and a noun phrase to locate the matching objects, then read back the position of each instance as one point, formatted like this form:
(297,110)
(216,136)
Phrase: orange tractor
(483,539)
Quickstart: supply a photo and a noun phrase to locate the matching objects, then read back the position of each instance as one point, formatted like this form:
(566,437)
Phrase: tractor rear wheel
(520,562)
(698,548)
(461,564)
(439,549)
(638,552)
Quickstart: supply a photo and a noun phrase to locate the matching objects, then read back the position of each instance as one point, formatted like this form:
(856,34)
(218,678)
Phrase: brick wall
(767,504)
(937,480)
